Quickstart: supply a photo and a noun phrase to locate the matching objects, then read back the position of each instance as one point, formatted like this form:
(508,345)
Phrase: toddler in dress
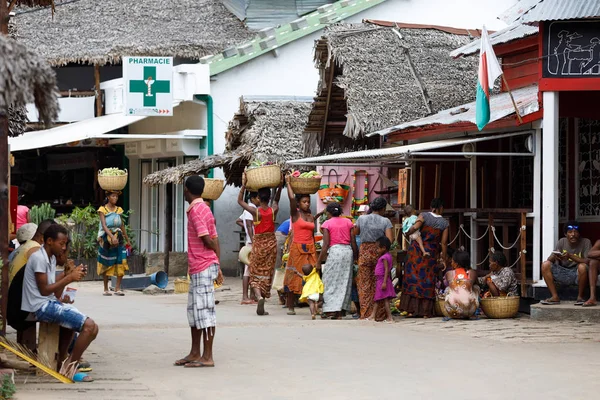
(408,222)
(384,288)
(312,291)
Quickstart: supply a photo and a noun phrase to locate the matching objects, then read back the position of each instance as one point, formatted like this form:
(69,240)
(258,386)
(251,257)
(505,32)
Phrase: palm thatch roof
(101,32)
(25,78)
(378,74)
(262,130)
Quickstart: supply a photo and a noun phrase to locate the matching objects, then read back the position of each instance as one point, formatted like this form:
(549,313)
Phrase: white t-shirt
(246,216)
(38,262)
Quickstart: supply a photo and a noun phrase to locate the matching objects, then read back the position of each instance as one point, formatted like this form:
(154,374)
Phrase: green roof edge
(285,35)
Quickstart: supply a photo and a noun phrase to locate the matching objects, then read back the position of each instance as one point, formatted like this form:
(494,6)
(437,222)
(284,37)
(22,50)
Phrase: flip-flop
(260,308)
(248,302)
(119,293)
(291,313)
(107,293)
(579,303)
(588,304)
(198,364)
(549,302)
(84,369)
(82,377)
(182,362)
(84,364)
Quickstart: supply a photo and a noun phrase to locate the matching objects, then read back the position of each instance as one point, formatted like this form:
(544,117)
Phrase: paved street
(283,357)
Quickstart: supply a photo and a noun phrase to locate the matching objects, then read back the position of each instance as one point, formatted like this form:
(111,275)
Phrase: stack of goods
(306,182)
(262,175)
(112,179)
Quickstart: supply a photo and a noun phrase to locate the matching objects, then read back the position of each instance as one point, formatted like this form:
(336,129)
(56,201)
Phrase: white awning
(403,153)
(92,128)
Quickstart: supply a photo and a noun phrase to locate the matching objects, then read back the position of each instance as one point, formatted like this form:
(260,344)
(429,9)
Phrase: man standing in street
(203,268)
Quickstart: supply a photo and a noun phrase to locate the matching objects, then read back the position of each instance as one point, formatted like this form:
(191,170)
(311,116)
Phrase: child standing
(312,291)
(408,223)
(384,289)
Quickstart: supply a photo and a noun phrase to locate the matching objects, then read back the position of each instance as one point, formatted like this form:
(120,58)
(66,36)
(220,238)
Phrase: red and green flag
(489,71)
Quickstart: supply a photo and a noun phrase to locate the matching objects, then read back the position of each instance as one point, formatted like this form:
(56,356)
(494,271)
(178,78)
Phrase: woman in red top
(302,248)
(264,243)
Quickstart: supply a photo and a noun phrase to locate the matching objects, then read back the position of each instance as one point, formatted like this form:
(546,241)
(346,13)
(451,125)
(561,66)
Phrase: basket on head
(182,285)
(305,185)
(268,176)
(500,307)
(212,188)
(112,182)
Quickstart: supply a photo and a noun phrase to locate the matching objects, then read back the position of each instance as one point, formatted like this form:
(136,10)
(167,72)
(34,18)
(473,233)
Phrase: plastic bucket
(159,279)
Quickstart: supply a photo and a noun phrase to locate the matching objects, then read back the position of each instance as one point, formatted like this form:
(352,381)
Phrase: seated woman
(462,294)
(501,280)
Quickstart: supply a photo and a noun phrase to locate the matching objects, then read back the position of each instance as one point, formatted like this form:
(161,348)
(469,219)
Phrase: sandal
(198,364)
(119,293)
(81,377)
(291,313)
(182,362)
(550,302)
(107,293)
(589,304)
(579,303)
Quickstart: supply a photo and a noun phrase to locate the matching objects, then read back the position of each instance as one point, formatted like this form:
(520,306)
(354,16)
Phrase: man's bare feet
(590,303)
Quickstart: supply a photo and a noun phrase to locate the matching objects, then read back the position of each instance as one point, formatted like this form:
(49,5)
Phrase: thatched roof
(262,130)
(385,74)
(25,78)
(101,32)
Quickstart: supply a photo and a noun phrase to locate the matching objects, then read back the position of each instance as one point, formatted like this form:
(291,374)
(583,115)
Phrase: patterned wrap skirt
(300,254)
(112,260)
(262,262)
(366,281)
(337,278)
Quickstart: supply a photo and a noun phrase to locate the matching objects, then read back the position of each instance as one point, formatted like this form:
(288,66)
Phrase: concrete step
(565,311)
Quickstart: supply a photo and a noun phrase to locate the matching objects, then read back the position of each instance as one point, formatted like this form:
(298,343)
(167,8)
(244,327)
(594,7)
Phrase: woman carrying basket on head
(112,240)
(264,243)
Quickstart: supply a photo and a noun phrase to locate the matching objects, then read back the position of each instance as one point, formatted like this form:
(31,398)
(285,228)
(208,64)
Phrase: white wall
(292,73)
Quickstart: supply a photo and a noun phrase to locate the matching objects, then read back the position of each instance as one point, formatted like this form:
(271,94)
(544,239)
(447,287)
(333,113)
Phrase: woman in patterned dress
(418,285)
(371,227)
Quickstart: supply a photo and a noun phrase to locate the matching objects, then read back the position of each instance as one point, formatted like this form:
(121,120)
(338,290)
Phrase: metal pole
(4,237)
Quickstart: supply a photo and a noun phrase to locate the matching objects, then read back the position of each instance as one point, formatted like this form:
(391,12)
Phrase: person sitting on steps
(567,264)
(593,262)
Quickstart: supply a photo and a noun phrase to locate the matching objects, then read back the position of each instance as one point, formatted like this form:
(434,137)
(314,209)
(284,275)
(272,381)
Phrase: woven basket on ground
(111,182)
(182,285)
(500,307)
(438,308)
(305,185)
(268,176)
(212,188)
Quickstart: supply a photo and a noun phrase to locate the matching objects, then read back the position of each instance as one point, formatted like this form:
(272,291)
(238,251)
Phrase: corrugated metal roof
(395,153)
(533,11)
(500,105)
(508,34)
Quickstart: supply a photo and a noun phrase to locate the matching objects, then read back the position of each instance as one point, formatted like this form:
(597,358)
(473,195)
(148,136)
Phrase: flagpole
(512,99)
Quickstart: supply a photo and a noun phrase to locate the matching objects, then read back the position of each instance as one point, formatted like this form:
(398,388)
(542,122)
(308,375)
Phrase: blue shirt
(284,227)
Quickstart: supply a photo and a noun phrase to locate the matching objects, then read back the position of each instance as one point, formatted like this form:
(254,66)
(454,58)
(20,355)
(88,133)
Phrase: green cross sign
(149,86)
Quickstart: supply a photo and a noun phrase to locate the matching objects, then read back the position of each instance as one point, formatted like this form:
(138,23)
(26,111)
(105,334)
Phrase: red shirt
(266,223)
(201,222)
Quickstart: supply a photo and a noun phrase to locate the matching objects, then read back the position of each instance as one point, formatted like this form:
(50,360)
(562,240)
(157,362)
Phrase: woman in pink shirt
(339,248)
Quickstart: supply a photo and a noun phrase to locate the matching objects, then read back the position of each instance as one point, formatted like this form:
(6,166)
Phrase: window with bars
(588,169)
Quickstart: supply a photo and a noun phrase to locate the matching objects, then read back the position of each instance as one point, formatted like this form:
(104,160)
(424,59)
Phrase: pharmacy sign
(148,86)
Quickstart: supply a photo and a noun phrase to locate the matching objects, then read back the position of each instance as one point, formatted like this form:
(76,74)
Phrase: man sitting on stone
(567,265)
(42,291)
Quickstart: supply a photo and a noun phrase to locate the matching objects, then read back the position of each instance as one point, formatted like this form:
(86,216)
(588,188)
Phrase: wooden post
(4,171)
(48,344)
(168,223)
(490,233)
(98,93)
(523,260)
(421,187)
(438,178)
(461,221)
(505,238)
(327,103)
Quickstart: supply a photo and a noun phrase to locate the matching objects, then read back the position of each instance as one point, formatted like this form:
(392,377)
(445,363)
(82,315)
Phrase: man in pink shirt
(203,268)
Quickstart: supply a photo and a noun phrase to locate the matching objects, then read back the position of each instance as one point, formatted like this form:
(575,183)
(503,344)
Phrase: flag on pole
(489,71)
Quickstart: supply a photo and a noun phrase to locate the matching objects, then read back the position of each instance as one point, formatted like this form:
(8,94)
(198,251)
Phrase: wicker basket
(500,307)
(438,308)
(268,176)
(305,185)
(112,182)
(182,285)
(212,188)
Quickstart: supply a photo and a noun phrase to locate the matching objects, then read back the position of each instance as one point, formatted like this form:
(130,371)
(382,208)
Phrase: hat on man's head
(26,232)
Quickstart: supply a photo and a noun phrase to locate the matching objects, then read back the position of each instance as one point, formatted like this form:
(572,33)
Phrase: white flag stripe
(494,70)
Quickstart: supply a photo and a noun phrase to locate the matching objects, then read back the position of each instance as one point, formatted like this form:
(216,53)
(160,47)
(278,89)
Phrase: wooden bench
(48,340)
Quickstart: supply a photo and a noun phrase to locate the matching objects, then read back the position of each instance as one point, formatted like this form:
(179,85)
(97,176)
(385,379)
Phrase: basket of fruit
(306,182)
(212,188)
(262,175)
(112,178)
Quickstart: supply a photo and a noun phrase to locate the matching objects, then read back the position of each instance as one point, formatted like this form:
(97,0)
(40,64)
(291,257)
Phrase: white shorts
(314,297)
(415,235)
